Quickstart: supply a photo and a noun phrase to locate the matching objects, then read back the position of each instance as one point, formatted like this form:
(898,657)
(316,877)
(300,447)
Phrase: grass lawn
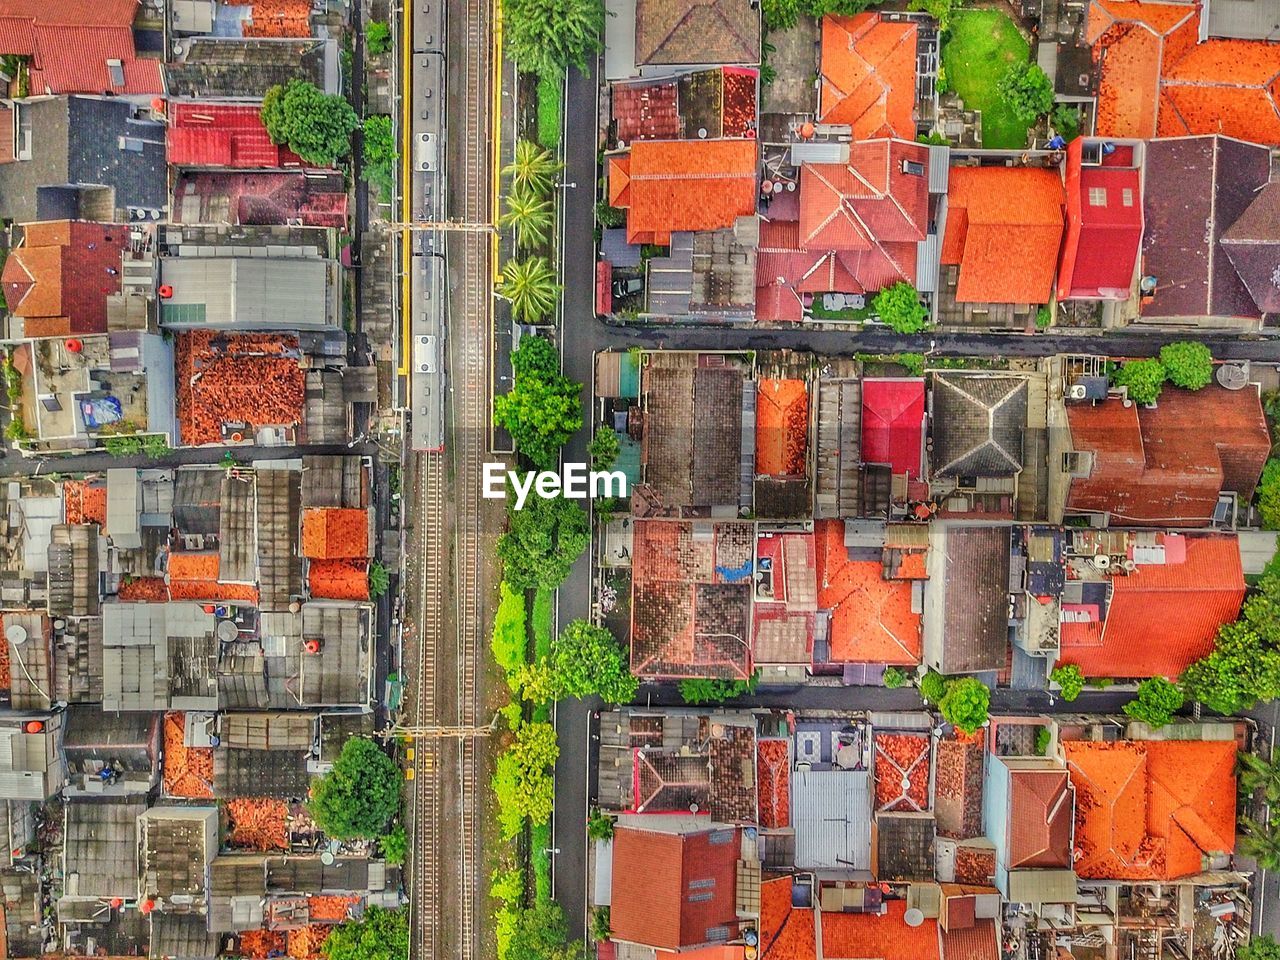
(983,45)
(549,92)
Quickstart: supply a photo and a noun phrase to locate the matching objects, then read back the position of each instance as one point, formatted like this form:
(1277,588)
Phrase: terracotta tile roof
(1157,466)
(902,772)
(773,769)
(243,378)
(697,31)
(1104,229)
(782,427)
(670,891)
(194,576)
(978,942)
(871,620)
(958,790)
(849,936)
(685,185)
(1040,812)
(338,579)
(334,533)
(205,134)
(786,932)
(1151,810)
(85,502)
(1157,80)
(893,423)
(58,280)
(648,111)
(1162,618)
(266,198)
(278,19)
(869,200)
(1000,216)
(7,145)
(869,75)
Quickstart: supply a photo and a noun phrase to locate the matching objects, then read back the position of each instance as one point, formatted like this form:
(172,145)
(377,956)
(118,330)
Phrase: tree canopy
(542,541)
(1269,495)
(1244,666)
(379,156)
(900,308)
(532,168)
(1157,701)
(589,660)
(378,935)
(783,14)
(531,215)
(510,630)
(543,408)
(359,795)
(542,933)
(1027,90)
(1069,677)
(522,778)
(1144,378)
(966,703)
(1259,948)
(604,448)
(313,124)
(933,686)
(1187,364)
(546,37)
(377,38)
(1258,773)
(530,285)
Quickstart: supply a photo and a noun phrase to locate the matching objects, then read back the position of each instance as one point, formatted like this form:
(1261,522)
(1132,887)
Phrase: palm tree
(1261,841)
(533,169)
(531,287)
(1259,774)
(530,215)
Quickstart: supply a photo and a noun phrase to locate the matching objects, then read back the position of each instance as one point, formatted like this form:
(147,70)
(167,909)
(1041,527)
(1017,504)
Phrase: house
(263,754)
(831,814)
(784,613)
(863,224)
(236,288)
(1027,811)
(1161,615)
(1157,466)
(222,68)
(82,158)
(1160,78)
(159,656)
(30,760)
(79,46)
(999,216)
(671,186)
(978,423)
(675,33)
(110,754)
(674,888)
(868,75)
(1241,20)
(893,422)
(885,934)
(1190,272)
(100,851)
(176,845)
(266,198)
(1104,220)
(714,104)
(210,134)
(966,598)
(1153,811)
(781,487)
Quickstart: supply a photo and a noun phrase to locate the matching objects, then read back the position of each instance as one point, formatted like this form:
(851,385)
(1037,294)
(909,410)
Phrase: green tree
(542,542)
(1187,364)
(315,125)
(940,10)
(536,682)
(599,825)
(893,678)
(522,778)
(507,886)
(1157,701)
(589,660)
(377,38)
(698,690)
(1026,90)
(394,845)
(510,639)
(379,580)
(1069,677)
(531,287)
(1258,773)
(535,357)
(933,686)
(1269,495)
(542,933)
(533,168)
(899,306)
(378,935)
(540,413)
(1066,121)
(1144,378)
(1261,841)
(546,37)
(1259,948)
(604,448)
(359,795)
(965,704)
(1244,666)
(530,215)
(379,156)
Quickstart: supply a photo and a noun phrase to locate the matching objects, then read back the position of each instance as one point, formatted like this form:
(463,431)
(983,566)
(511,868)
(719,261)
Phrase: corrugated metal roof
(831,813)
(124,508)
(280,293)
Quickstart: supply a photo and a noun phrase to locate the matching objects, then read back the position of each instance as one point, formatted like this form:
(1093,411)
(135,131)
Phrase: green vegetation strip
(984,44)
(549,111)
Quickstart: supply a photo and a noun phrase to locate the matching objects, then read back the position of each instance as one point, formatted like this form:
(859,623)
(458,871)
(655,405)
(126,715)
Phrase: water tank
(16,634)
(913,917)
(1147,284)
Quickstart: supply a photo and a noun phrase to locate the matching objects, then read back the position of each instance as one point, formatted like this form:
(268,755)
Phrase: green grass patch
(539,844)
(847,314)
(982,46)
(550,91)
(544,602)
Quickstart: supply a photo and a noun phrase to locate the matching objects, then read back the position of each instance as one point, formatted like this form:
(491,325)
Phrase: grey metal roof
(29,762)
(235,68)
(159,655)
(128,741)
(100,853)
(124,508)
(339,674)
(334,481)
(178,843)
(73,570)
(237,530)
(22,913)
(831,812)
(77,662)
(31,676)
(306,874)
(325,413)
(248,293)
(978,423)
(615,249)
(181,937)
(268,731)
(197,499)
(1243,19)
(276,534)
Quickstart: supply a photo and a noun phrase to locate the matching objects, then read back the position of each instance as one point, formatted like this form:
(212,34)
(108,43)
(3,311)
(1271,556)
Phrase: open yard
(983,44)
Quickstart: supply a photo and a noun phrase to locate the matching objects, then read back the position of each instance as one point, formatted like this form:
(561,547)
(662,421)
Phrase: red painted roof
(669,186)
(648,111)
(204,134)
(1004,228)
(1151,810)
(847,936)
(1164,617)
(70,41)
(893,423)
(670,890)
(1159,466)
(869,75)
(1104,229)
(57,281)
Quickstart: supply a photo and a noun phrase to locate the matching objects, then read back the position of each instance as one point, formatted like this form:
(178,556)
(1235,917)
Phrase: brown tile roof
(958,790)
(58,280)
(978,424)
(975,627)
(869,75)
(7,143)
(1040,812)
(1157,466)
(672,891)
(1253,245)
(978,942)
(697,31)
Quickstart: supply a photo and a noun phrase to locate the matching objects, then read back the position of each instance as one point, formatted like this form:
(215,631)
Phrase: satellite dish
(913,917)
(327,858)
(16,634)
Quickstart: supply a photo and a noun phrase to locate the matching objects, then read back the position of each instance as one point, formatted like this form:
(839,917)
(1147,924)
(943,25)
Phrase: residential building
(267,198)
(893,424)
(1028,810)
(714,104)
(1104,220)
(223,68)
(210,134)
(966,598)
(681,33)
(176,845)
(978,424)
(238,288)
(868,80)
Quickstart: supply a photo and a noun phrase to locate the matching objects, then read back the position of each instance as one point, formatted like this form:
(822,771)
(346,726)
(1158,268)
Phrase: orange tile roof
(869,75)
(669,186)
(786,932)
(85,502)
(1004,228)
(188,771)
(978,942)
(338,579)
(1157,80)
(58,280)
(194,576)
(782,427)
(871,617)
(252,378)
(1151,810)
(332,533)
(847,936)
(258,823)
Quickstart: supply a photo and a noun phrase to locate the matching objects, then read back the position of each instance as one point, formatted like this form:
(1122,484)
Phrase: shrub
(510,640)
(1043,737)
(1066,121)
(600,924)
(893,678)
(1269,495)
(123,445)
(540,854)
(1144,379)
(550,111)
(394,845)
(379,156)
(1187,364)
(522,779)
(933,686)
(697,690)
(1044,317)
(379,580)
(599,825)
(604,448)
(359,795)
(377,38)
(1069,677)
(156,446)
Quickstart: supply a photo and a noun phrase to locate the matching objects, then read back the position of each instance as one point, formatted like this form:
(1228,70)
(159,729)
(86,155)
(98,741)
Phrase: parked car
(627,286)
